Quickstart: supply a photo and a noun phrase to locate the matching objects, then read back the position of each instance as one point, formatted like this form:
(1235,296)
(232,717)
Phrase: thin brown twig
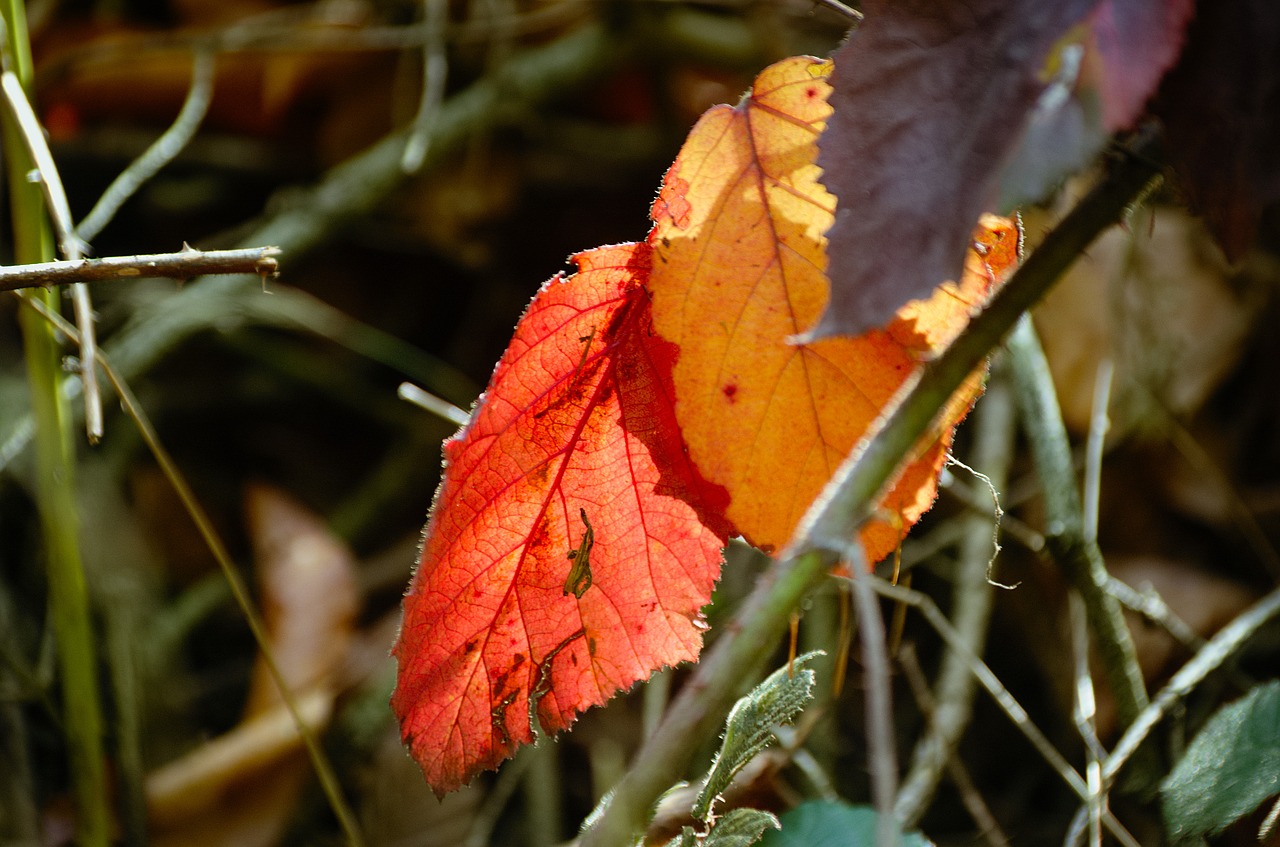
(955,767)
(183,264)
(882,758)
(435,71)
(1066,538)
(437,406)
(1146,601)
(161,152)
(1086,708)
(302,221)
(1225,643)
(296,29)
(972,602)
(1012,709)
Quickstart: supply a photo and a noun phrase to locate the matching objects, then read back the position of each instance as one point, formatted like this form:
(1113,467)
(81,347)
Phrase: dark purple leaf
(945,109)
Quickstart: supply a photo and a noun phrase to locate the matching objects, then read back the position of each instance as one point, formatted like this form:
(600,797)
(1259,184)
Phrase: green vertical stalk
(55,476)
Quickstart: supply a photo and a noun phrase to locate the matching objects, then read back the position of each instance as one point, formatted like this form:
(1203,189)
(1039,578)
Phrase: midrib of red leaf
(584,374)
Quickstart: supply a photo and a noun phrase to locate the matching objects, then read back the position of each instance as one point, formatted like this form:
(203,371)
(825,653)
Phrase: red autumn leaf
(566,555)
(943,110)
(739,272)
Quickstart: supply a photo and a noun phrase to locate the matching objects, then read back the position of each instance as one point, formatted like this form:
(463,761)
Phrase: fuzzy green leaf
(750,726)
(740,828)
(1230,768)
(688,837)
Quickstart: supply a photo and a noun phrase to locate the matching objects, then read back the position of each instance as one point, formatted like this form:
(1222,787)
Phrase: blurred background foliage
(278,401)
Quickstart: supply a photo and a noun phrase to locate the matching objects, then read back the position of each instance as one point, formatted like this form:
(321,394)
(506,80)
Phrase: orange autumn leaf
(740,271)
(566,556)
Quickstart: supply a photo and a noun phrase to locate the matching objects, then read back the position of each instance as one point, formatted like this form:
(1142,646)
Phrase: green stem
(833,520)
(953,693)
(55,479)
(697,713)
(1065,535)
(542,796)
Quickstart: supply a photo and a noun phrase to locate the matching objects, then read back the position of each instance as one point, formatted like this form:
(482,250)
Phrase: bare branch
(882,758)
(183,264)
(1066,538)
(435,70)
(971,612)
(1224,644)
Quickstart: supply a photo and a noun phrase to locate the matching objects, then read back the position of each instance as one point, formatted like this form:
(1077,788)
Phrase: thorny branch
(183,264)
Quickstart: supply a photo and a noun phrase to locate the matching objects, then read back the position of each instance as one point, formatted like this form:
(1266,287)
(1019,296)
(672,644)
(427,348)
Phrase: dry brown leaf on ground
(309,594)
(1161,302)
(241,788)
(215,775)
